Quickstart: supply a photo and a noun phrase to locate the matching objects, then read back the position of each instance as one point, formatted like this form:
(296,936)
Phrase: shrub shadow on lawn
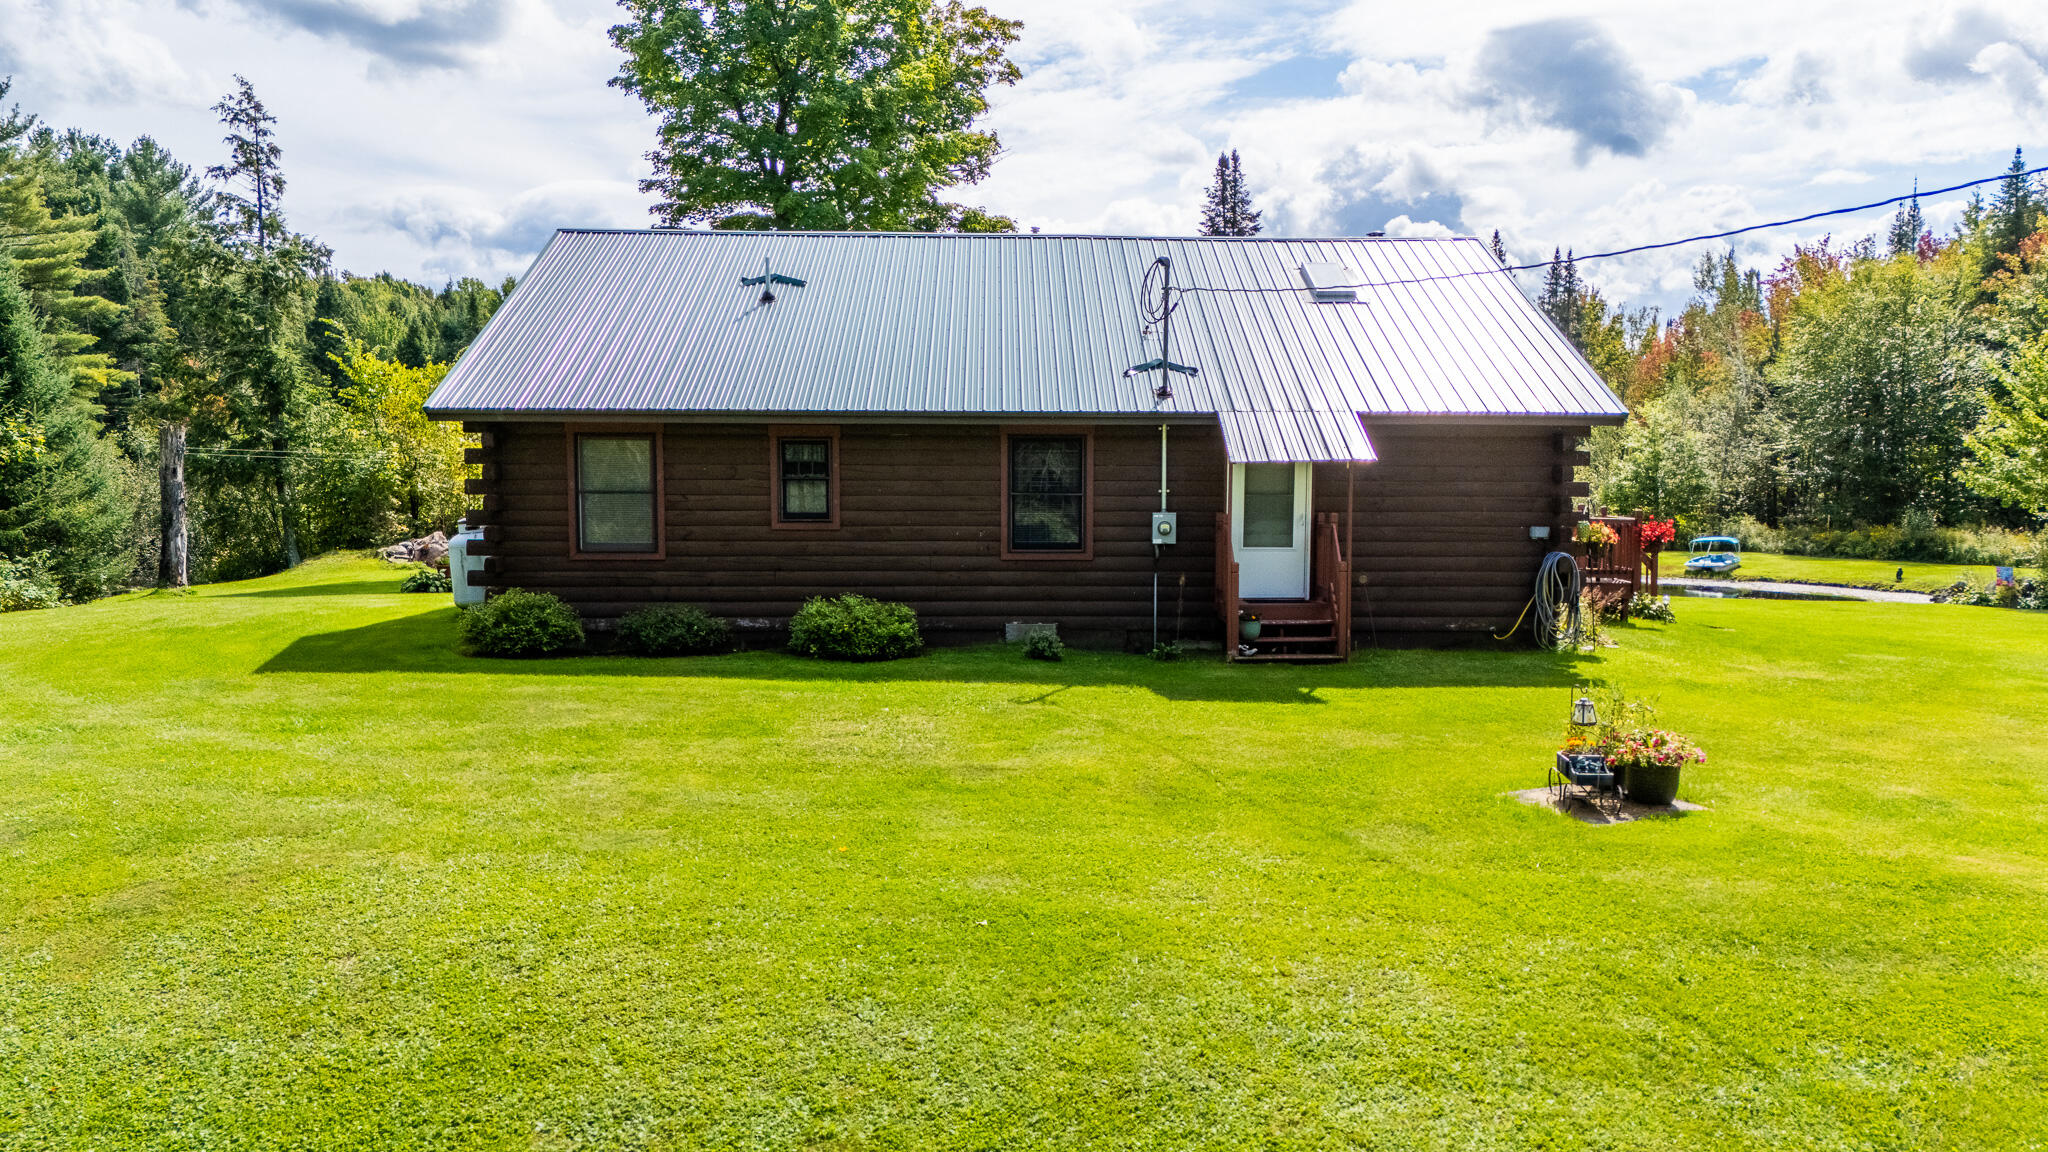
(339,588)
(424,644)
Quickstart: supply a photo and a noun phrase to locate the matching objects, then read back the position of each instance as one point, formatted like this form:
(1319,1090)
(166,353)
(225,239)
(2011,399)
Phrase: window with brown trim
(804,465)
(1046,505)
(616,494)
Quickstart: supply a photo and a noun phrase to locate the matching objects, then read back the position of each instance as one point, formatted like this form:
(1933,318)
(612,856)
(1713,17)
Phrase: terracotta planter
(1654,785)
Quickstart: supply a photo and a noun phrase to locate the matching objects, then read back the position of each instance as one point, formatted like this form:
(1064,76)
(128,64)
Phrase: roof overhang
(1315,437)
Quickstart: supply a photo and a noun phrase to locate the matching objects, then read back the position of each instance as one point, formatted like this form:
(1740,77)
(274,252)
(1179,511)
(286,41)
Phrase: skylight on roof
(1327,282)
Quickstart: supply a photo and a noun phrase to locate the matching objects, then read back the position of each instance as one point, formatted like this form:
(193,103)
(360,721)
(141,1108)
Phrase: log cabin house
(1374,441)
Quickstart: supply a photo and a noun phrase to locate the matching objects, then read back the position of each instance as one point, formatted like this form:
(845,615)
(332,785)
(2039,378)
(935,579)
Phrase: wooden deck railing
(1332,580)
(1227,603)
(1329,581)
(1618,571)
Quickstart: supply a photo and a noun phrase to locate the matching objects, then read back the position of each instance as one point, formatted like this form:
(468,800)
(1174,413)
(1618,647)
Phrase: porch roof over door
(1292,437)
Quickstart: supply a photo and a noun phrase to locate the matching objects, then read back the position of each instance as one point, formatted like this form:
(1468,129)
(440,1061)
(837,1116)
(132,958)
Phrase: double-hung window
(1045,501)
(616,494)
(804,463)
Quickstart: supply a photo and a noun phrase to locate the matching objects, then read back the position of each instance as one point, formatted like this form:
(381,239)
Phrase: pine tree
(1551,302)
(253,162)
(49,254)
(1499,250)
(1227,208)
(63,501)
(241,293)
(1908,225)
(2013,215)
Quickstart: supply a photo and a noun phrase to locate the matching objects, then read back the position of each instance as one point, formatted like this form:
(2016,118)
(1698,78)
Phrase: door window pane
(615,493)
(1269,505)
(806,479)
(1048,493)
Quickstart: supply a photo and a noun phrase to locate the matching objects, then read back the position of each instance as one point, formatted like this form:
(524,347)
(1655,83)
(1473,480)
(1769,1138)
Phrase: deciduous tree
(816,114)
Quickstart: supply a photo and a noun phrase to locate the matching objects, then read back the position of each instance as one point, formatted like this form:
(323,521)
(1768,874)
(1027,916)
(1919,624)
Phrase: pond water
(1733,591)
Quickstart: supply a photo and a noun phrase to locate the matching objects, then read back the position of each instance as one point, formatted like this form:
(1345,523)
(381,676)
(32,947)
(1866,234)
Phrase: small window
(1048,495)
(615,494)
(805,466)
(806,479)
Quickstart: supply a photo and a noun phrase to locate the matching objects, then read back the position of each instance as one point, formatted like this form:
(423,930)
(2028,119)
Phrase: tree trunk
(173,552)
(287,516)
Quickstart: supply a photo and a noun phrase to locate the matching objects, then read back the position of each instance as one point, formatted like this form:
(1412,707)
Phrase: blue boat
(1713,554)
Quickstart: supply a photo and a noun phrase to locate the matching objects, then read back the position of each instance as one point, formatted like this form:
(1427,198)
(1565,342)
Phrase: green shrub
(673,630)
(517,623)
(27,583)
(1165,653)
(1917,538)
(425,579)
(854,628)
(1648,607)
(1044,644)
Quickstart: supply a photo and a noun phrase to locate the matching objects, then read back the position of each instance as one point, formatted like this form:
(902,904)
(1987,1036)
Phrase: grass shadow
(338,588)
(424,644)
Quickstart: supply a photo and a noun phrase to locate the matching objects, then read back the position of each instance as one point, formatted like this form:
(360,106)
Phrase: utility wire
(1642,247)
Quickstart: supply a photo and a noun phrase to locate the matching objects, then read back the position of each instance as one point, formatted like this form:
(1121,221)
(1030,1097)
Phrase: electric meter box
(1165,527)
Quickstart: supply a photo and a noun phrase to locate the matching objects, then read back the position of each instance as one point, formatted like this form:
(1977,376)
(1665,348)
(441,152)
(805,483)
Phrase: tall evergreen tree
(1227,206)
(1564,296)
(1908,225)
(1499,250)
(63,499)
(243,291)
(49,254)
(254,160)
(2014,215)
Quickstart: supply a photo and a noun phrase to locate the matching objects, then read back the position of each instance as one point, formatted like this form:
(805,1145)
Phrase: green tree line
(1896,381)
(188,389)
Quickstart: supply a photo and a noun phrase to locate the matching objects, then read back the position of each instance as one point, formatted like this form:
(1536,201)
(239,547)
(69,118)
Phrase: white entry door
(1269,530)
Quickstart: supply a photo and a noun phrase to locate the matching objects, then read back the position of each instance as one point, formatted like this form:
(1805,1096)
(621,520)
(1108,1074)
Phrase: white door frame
(1272,573)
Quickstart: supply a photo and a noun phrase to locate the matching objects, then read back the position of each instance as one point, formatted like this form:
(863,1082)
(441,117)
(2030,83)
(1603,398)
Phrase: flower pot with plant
(1648,760)
(1248,627)
(1597,538)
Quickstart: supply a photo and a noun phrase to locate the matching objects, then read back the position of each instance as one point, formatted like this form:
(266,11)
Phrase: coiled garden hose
(1556,601)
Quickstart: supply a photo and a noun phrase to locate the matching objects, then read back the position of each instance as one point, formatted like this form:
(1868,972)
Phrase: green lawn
(278,870)
(1851,573)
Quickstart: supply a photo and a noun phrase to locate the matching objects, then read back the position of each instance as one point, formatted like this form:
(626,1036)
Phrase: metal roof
(657,322)
(1280,437)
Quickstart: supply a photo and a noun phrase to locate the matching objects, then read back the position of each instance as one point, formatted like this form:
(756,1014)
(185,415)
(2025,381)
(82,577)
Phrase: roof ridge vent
(1329,282)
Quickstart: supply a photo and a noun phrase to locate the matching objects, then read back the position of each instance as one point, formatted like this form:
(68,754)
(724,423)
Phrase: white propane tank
(462,566)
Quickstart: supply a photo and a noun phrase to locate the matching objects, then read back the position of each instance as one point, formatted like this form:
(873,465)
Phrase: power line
(1645,247)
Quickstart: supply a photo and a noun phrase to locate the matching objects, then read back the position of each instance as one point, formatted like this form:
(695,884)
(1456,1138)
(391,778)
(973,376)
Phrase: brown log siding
(1442,542)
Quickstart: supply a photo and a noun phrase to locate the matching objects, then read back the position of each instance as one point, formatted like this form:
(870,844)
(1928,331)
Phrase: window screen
(806,479)
(615,493)
(1048,493)
(1269,505)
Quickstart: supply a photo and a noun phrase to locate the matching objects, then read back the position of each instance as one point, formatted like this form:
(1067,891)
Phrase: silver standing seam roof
(656,323)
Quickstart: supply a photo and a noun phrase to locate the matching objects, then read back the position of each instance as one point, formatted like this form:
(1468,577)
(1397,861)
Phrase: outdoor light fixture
(1583,714)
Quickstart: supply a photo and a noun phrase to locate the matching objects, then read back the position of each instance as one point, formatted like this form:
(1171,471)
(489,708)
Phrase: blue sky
(437,138)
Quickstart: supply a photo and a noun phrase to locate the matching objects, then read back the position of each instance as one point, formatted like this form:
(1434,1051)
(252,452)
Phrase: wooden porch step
(1290,611)
(1267,655)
